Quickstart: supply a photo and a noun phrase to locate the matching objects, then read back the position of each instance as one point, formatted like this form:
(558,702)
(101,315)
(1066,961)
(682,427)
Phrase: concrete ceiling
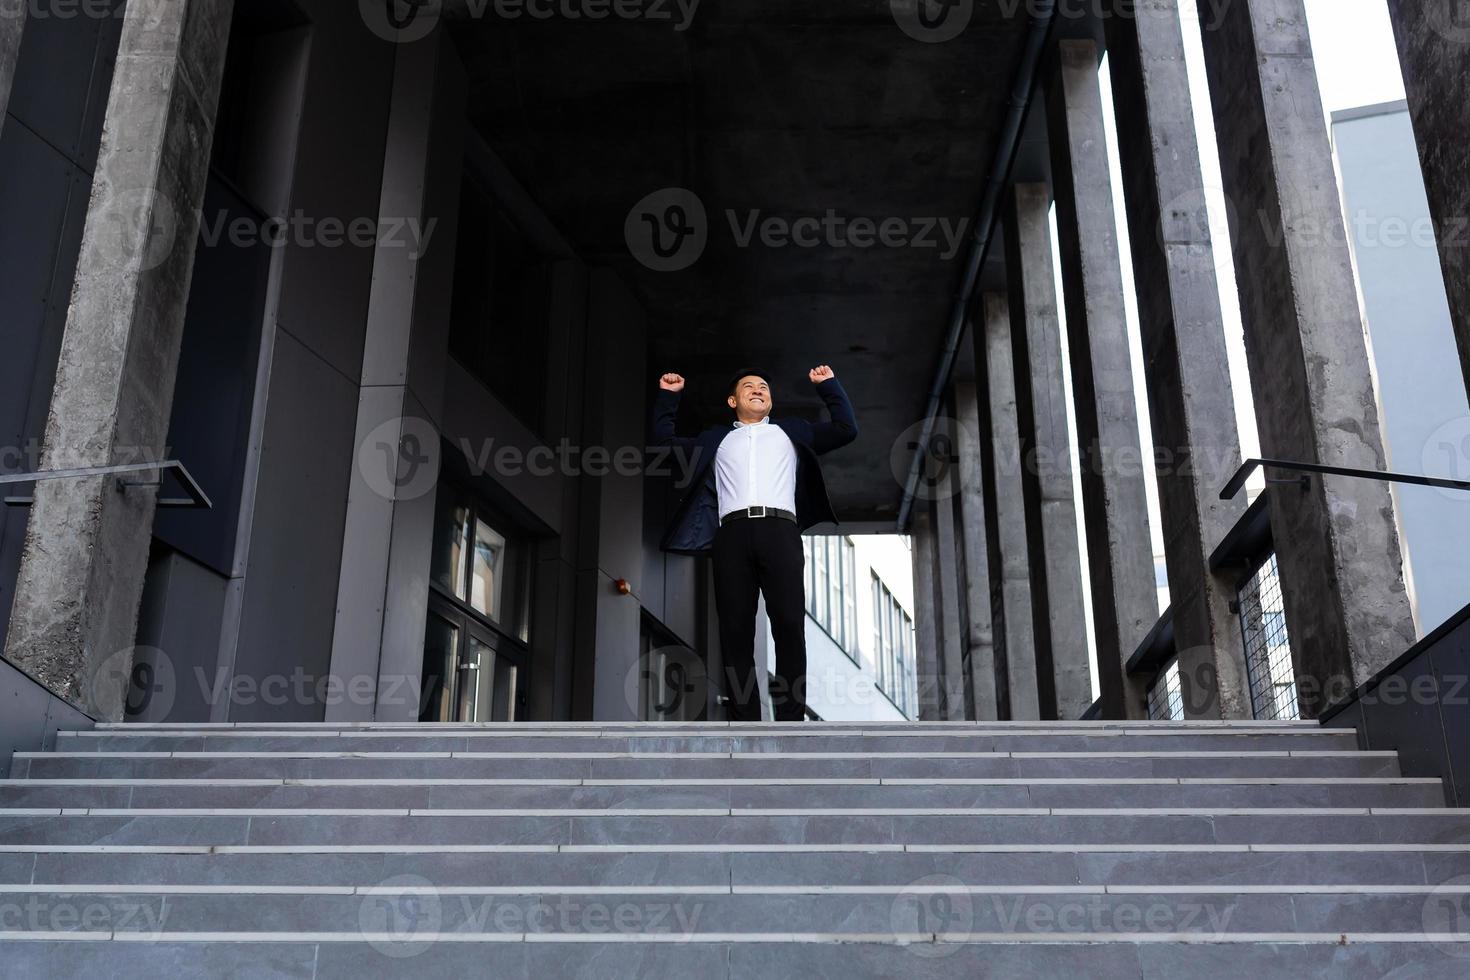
(778,109)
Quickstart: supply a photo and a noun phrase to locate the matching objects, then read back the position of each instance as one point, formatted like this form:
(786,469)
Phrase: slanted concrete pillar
(1434,54)
(974,540)
(1337,542)
(1012,618)
(1125,603)
(926,618)
(12,28)
(383,588)
(950,599)
(81,576)
(1187,375)
(1062,654)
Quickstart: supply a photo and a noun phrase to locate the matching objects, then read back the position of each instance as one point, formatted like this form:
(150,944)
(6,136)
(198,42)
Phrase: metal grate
(1267,649)
(1166,698)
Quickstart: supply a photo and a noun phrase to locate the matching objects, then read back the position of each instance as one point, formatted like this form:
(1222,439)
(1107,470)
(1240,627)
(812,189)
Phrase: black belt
(750,513)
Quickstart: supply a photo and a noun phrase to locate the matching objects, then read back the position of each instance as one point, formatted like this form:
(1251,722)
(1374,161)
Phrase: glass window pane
(441,646)
(451,538)
(487,575)
(477,689)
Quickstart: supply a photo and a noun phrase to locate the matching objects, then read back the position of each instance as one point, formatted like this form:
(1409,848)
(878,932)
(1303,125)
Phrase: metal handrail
(1238,481)
(196,498)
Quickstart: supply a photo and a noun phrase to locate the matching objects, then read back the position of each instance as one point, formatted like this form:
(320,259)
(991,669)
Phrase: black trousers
(754,557)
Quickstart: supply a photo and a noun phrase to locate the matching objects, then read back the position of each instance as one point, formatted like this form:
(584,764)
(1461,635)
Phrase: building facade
(393,284)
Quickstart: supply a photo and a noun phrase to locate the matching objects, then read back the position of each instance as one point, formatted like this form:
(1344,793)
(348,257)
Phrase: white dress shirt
(756,467)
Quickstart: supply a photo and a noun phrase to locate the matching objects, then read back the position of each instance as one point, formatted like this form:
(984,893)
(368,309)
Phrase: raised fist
(671,382)
(821,373)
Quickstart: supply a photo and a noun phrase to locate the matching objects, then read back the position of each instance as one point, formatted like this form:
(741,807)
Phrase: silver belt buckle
(757,512)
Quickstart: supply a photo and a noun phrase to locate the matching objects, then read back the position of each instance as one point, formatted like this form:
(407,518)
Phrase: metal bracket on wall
(196,499)
(1238,481)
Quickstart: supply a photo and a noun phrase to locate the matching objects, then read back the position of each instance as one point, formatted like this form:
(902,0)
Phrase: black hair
(748,373)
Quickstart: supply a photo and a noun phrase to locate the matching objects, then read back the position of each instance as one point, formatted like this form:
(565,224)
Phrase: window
(1268,661)
(475,651)
(830,588)
(893,649)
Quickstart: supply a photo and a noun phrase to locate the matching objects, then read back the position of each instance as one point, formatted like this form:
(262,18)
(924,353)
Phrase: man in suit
(757,486)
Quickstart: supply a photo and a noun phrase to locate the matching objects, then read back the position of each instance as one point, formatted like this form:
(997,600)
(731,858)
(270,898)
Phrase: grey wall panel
(477,424)
(291,587)
(338,176)
(179,621)
(62,80)
(30,715)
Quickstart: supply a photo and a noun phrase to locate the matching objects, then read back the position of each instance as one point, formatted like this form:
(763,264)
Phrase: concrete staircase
(702,850)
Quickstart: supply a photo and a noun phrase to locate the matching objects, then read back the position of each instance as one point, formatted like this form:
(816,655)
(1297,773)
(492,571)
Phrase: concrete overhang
(769,110)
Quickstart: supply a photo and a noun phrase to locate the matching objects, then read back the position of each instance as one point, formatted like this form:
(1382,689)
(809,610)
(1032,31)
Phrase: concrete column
(1434,54)
(1125,603)
(975,543)
(1187,374)
(383,588)
(81,576)
(926,617)
(12,28)
(1337,541)
(1062,654)
(1012,619)
(950,599)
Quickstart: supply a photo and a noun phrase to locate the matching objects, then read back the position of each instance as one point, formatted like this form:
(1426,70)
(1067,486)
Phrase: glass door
(476,646)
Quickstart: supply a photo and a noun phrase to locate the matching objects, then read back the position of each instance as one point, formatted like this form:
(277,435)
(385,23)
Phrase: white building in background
(861,661)
(1426,421)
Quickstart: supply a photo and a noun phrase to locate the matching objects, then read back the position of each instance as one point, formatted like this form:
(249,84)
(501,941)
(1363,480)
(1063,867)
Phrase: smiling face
(751,398)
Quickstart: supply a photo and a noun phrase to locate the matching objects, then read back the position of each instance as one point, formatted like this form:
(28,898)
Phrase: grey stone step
(354,960)
(1017,764)
(1058,866)
(907,912)
(745,794)
(855,741)
(672,827)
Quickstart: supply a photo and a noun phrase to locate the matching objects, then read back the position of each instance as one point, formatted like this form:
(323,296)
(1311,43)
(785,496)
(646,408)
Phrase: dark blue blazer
(692,529)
